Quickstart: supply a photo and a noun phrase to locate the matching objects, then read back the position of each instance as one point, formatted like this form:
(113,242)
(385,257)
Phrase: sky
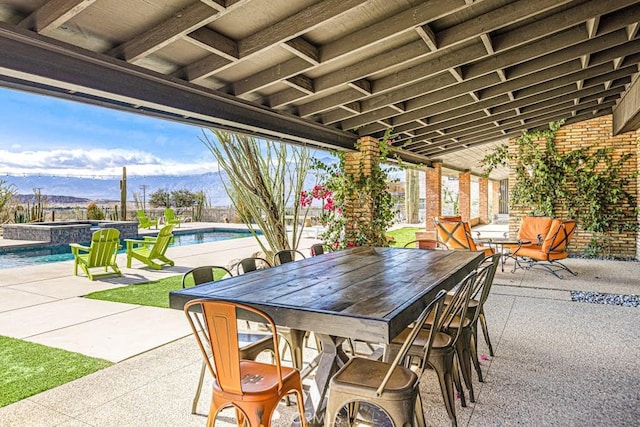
(47,135)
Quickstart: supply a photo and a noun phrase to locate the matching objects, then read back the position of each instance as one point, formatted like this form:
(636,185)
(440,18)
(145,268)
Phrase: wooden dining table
(363,293)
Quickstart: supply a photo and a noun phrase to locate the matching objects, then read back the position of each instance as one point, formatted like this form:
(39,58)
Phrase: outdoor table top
(365,293)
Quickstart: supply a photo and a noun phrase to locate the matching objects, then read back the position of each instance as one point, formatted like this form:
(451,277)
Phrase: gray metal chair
(249,264)
(442,357)
(389,386)
(287,255)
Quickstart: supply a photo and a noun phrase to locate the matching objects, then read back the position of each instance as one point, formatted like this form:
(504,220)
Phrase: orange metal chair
(253,388)
(456,235)
(428,244)
(550,252)
(255,343)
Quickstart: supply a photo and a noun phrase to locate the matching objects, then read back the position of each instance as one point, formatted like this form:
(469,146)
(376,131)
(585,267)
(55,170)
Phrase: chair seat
(362,376)
(536,253)
(473,303)
(440,340)
(260,378)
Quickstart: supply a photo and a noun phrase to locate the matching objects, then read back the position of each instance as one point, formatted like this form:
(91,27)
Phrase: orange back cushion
(455,234)
(559,235)
(532,226)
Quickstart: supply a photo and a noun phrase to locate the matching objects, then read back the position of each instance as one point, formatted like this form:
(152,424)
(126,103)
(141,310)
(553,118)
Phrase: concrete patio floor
(557,362)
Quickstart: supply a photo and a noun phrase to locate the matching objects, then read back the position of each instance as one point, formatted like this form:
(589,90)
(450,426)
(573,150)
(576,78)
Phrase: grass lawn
(154,294)
(403,236)
(27,368)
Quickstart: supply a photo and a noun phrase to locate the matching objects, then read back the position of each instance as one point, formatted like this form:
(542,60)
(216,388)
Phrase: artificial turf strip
(27,368)
(154,294)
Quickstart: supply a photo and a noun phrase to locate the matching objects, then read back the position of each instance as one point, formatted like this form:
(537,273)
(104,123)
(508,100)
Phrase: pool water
(24,257)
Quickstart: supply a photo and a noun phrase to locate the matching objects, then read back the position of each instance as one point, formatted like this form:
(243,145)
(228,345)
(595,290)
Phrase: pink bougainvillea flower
(457,395)
(484,357)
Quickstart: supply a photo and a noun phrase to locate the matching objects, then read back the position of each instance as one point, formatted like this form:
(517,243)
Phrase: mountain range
(74,189)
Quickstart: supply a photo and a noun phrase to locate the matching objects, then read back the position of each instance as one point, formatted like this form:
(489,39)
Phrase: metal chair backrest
(249,264)
(203,274)
(317,249)
(435,306)
(287,255)
(457,307)
(220,333)
(486,271)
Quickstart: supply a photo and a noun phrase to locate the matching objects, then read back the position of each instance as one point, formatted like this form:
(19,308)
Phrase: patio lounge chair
(151,250)
(550,252)
(101,254)
(144,221)
(456,235)
(171,218)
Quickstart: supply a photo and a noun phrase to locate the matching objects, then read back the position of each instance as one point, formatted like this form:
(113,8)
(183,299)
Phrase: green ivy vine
(587,183)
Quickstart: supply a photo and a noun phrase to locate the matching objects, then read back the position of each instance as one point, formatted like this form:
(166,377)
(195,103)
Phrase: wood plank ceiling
(448,76)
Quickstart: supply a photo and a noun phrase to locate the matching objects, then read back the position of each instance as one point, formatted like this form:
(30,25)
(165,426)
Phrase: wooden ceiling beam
(303,49)
(295,25)
(567,44)
(555,23)
(53,14)
(505,15)
(180,24)
(267,77)
(532,84)
(531,111)
(214,42)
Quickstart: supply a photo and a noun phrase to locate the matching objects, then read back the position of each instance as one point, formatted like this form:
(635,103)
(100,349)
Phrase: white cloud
(96,162)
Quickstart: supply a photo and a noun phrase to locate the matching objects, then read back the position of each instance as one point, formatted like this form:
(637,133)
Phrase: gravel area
(604,298)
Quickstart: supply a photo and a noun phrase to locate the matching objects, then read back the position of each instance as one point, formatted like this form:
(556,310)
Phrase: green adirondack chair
(170,217)
(101,254)
(144,221)
(151,250)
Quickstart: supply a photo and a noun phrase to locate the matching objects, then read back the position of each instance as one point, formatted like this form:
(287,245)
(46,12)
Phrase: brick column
(483,202)
(495,200)
(464,195)
(357,163)
(433,197)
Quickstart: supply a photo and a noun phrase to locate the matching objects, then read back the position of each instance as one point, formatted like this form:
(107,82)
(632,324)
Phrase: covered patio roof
(450,77)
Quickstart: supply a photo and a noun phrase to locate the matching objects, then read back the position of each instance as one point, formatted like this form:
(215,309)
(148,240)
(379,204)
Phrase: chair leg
(458,383)
(443,365)
(485,331)
(194,405)
(473,348)
(464,357)
(419,412)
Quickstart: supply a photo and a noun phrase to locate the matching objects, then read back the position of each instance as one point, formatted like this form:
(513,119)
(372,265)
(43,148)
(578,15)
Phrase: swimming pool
(23,257)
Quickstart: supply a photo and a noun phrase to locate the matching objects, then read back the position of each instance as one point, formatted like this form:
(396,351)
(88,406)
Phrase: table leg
(331,359)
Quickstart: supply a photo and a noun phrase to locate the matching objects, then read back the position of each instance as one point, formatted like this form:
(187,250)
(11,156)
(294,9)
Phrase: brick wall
(594,133)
